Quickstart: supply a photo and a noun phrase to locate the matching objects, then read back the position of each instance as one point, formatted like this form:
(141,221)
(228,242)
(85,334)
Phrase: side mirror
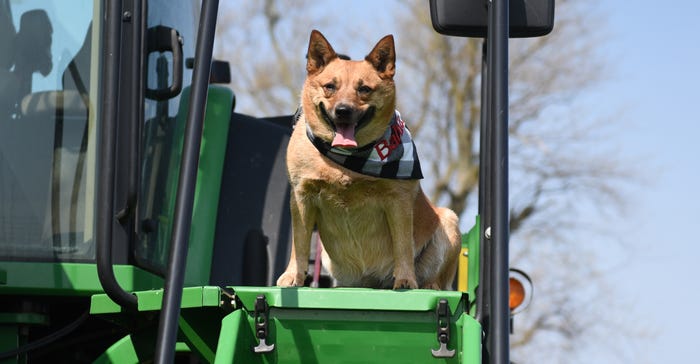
(468,18)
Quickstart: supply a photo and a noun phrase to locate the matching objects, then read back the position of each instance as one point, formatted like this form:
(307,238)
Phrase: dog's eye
(330,87)
(364,89)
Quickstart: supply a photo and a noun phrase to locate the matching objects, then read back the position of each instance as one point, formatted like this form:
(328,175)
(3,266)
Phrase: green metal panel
(206,201)
(200,329)
(69,278)
(134,349)
(235,340)
(205,296)
(303,336)
(200,320)
(348,298)
(123,351)
(352,332)
(471,340)
(318,325)
(295,297)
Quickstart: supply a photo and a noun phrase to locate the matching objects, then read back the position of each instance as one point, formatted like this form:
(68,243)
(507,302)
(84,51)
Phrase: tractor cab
(143,219)
(52,93)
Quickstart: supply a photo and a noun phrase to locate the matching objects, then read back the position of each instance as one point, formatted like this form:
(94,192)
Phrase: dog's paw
(405,283)
(290,279)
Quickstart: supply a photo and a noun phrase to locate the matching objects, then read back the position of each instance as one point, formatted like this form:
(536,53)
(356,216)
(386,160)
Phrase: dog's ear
(320,53)
(383,57)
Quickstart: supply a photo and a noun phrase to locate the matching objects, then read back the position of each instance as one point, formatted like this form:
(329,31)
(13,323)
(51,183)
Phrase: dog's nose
(343,111)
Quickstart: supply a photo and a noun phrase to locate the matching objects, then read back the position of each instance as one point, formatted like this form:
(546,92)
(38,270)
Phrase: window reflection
(46,138)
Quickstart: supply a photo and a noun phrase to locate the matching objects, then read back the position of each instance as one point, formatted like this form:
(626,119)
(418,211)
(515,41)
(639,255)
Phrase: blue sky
(655,54)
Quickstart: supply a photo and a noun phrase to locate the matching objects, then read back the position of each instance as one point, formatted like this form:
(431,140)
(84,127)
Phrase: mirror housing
(468,18)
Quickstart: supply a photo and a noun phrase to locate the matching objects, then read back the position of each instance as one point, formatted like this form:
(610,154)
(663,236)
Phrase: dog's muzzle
(345,121)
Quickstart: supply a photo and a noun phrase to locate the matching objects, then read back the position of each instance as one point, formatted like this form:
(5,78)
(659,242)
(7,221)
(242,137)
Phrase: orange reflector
(517,293)
(521,289)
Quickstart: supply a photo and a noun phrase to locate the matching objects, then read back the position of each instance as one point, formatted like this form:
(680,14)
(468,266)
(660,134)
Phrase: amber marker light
(520,291)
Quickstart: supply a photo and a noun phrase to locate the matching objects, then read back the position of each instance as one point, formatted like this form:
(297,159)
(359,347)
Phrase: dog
(355,176)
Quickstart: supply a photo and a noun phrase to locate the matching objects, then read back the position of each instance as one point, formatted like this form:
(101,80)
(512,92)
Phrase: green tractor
(142,219)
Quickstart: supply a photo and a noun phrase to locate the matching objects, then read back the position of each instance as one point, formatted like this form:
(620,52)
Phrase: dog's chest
(344,196)
(352,221)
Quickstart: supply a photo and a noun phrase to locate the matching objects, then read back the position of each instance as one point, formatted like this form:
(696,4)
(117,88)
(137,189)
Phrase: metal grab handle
(105,176)
(165,39)
(175,278)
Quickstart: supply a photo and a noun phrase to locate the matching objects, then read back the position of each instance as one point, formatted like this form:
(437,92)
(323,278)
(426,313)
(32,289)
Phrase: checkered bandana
(392,156)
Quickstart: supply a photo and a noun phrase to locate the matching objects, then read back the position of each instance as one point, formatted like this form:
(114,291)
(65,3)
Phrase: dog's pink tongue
(344,136)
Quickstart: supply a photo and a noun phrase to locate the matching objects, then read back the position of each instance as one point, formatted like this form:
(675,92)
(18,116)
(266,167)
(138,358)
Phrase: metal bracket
(229,299)
(443,330)
(261,327)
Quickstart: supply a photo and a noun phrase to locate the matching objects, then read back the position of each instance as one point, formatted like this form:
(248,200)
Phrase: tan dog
(355,175)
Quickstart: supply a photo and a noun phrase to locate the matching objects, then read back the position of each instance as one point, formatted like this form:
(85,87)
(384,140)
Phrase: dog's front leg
(401,228)
(303,220)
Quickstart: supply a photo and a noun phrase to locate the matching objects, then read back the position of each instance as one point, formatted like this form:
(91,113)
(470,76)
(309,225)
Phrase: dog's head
(349,103)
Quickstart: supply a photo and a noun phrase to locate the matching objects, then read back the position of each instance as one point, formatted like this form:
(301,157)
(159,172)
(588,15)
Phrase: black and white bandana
(392,156)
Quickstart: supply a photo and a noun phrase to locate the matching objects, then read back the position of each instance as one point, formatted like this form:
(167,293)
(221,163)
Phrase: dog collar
(393,156)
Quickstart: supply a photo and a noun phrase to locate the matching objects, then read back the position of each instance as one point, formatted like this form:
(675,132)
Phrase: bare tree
(561,165)
(267,70)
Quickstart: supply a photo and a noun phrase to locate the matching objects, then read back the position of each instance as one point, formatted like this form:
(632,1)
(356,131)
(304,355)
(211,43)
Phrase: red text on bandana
(385,147)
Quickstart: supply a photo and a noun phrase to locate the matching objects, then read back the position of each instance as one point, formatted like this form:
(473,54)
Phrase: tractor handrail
(105,215)
(172,295)
(498,337)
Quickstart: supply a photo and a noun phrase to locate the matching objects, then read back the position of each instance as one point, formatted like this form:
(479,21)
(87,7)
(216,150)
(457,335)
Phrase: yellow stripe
(462,270)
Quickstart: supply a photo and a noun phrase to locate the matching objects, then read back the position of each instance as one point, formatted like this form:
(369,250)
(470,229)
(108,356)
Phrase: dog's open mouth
(345,132)
(344,136)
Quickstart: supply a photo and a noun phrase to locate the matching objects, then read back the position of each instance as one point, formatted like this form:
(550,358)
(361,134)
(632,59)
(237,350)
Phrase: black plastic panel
(468,18)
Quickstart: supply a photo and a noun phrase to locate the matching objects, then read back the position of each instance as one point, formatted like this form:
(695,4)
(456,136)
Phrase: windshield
(47,129)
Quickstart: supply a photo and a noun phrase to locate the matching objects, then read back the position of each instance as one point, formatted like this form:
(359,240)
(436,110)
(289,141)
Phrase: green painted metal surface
(203,296)
(200,328)
(348,298)
(156,248)
(295,297)
(70,279)
(200,321)
(471,340)
(349,326)
(206,200)
(318,325)
(123,351)
(235,340)
(133,349)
